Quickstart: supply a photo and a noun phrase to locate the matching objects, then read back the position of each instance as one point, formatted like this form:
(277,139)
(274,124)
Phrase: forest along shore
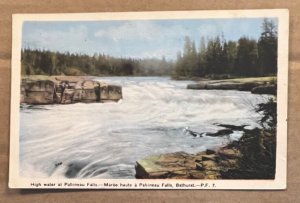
(257,85)
(38,90)
(251,157)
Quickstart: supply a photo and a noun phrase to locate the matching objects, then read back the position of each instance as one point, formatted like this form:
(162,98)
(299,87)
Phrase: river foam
(103,140)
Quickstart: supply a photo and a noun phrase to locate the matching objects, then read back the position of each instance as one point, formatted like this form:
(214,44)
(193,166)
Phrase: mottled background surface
(7,8)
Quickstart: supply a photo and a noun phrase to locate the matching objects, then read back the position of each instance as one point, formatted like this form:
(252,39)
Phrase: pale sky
(135,38)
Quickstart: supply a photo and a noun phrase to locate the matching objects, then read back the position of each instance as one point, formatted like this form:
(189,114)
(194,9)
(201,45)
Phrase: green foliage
(267,47)
(246,57)
(269,114)
(41,62)
(258,147)
(187,63)
(214,57)
(260,151)
(73,71)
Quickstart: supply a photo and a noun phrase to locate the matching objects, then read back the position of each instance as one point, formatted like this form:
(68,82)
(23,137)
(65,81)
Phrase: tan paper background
(7,8)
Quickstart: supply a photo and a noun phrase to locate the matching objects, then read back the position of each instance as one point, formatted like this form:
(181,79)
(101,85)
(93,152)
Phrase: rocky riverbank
(263,85)
(252,157)
(56,90)
(181,165)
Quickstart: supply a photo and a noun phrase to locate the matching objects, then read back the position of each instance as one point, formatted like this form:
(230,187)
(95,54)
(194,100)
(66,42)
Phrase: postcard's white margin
(15,181)
(15,102)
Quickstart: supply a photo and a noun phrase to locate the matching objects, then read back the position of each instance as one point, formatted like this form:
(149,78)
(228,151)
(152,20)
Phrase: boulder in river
(110,92)
(220,133)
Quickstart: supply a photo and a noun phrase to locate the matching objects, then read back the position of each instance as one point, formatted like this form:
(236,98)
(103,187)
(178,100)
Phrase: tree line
(44,62)
(216,56)
(213,57)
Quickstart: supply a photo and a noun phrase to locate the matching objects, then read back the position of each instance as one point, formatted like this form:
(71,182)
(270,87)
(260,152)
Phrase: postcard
(149,100)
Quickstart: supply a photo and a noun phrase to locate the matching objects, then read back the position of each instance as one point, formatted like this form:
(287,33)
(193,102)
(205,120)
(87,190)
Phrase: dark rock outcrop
(265,89)
(248,86)
(233,127)
(220,133)
(68,92)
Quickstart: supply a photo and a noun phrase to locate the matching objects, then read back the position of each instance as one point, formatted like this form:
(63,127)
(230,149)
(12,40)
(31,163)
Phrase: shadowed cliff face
(104,140)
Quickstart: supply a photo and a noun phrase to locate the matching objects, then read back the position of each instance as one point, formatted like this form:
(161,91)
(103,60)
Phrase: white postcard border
(16,181)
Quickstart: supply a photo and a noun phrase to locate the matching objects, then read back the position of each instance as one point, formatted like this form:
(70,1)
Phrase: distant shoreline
(256,85)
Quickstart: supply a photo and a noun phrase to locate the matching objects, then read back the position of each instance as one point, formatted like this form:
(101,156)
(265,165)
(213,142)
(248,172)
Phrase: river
(104,140)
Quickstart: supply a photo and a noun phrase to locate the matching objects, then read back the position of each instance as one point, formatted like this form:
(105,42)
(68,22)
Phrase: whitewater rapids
(104,140)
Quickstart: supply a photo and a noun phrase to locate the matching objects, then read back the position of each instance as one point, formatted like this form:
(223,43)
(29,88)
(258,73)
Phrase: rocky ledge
(57,91)
(252,157)
(256,87)
(181,165)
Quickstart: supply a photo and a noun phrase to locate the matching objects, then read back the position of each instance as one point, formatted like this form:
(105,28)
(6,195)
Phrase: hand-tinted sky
(138,39)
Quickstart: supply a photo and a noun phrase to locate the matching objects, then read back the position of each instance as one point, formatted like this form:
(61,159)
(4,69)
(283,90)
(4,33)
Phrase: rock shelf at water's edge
(243,159)
(181,165)
(56,91)
(262,85)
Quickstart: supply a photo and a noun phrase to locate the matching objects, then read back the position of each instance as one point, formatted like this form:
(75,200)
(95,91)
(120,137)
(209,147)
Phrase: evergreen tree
(267,48)
(43,62)
(231,55)
(201,70)
(247,57)
(214,56)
